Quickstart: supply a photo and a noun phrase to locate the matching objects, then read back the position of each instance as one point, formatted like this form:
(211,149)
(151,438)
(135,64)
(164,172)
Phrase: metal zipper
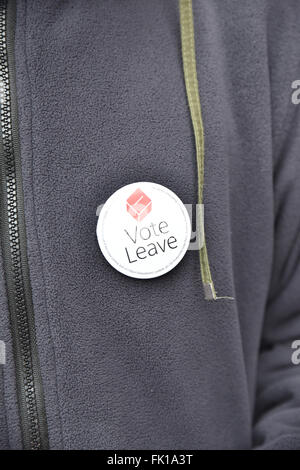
(13,238)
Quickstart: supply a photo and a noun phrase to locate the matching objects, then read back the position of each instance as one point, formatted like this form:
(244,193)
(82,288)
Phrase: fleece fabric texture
(150,364)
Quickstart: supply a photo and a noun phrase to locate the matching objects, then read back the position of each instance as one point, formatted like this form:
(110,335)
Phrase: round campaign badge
(144,230)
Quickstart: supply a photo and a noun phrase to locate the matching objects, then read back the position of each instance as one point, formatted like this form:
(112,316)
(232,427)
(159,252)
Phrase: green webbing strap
(192,90)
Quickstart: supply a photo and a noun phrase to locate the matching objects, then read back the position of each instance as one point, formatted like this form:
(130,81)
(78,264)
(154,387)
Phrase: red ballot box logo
(138,205)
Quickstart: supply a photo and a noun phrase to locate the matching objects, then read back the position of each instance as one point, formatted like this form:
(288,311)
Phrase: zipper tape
(13,238)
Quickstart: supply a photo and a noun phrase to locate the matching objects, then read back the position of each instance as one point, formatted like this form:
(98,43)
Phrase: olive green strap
(192,90)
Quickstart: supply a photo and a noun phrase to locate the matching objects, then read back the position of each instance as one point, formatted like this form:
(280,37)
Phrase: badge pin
(144,230)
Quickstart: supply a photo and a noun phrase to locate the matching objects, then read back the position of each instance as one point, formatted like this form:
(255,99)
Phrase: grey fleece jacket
(130,363)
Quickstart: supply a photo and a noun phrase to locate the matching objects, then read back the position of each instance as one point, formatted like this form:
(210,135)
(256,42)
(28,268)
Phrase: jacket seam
(35,218)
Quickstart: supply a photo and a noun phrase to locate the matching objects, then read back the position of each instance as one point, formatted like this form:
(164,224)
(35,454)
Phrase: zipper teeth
(18,288)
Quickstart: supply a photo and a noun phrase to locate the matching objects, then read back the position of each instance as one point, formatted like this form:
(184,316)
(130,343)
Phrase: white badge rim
(103,245)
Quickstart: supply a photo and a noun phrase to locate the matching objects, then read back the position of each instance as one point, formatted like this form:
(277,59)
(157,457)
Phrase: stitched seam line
(36,219)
